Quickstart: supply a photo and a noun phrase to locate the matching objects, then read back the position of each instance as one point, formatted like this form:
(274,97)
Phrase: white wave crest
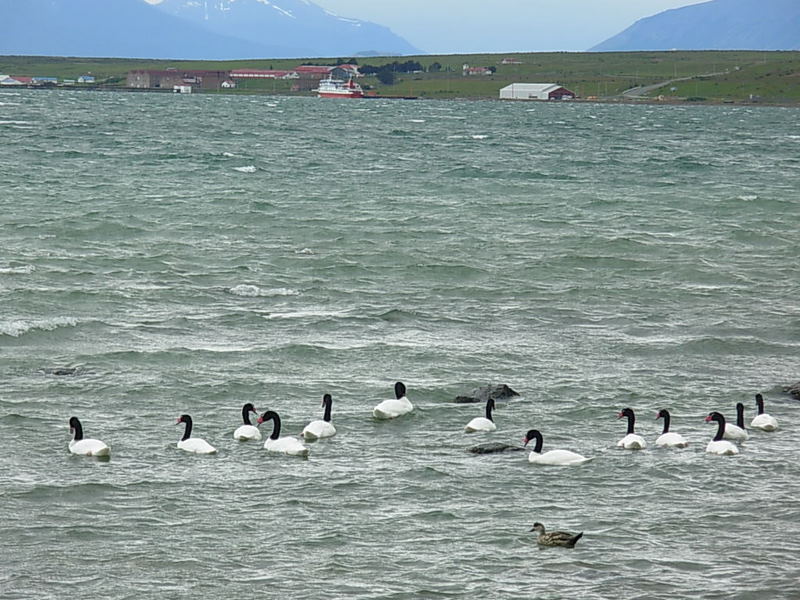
(21,327)
(249,291)
(17,270)
(253,291)
(247,169)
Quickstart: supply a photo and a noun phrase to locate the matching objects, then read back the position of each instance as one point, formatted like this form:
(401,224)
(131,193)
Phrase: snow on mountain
(187,29)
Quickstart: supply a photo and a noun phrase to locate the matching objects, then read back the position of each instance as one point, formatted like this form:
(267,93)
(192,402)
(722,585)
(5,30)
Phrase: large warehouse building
(535,91)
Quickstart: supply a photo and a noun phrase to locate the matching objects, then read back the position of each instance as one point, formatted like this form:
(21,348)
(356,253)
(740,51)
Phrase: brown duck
(556,538)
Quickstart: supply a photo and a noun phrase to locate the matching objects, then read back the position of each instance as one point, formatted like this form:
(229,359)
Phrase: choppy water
(192,253)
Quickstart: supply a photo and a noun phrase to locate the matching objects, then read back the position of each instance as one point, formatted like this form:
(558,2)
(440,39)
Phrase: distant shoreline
(605,101)
(739,78)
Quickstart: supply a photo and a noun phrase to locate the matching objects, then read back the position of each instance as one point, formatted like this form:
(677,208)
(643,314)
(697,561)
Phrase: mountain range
(188,29)
(241,29)
(714,25)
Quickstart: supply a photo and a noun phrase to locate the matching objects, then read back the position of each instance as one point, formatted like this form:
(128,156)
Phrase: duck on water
(555,538)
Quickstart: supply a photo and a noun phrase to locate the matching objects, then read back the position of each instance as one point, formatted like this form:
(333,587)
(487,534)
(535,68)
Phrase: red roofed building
(313,71)
(467,70)
(16,80)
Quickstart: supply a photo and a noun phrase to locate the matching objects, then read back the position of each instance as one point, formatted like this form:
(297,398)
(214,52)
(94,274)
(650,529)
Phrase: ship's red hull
(341,95)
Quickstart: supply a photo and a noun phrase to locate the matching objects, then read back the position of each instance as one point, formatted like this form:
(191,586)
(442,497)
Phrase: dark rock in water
(493,448)
(483,393)
(794,390)
(61,371)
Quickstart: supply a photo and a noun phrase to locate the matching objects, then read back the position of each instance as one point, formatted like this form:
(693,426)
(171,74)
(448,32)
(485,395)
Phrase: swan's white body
(286,445)
(282,445)
(557,457)
(196,445)
(671,440)
(722,447)
(85,447)
(632,441)
(321,428)
(89,447)
(764,422)
(244,433)
(318,429)
(391,409)
(735,433)
(480,424)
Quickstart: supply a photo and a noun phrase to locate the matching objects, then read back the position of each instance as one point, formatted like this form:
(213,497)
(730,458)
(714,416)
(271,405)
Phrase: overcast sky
(456,26)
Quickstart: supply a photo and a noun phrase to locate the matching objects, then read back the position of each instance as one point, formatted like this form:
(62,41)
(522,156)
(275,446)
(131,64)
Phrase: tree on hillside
(386,77)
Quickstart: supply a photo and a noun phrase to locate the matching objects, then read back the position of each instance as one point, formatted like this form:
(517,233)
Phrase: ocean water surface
(169,254)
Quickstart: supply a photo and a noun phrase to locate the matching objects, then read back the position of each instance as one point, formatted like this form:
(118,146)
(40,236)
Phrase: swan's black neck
(489,407)
(720,426)
(276,423)
(631,419)
(187,432)
(246,410)
(740,415)
(399,390)
(664,414)
(327,402)
(77,429)
(535,434)
(760,403)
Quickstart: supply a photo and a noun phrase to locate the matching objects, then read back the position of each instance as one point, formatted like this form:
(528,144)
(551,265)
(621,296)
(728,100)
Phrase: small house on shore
(536,91)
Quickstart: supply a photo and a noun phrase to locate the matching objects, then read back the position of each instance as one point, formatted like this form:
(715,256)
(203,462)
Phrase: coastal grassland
(716,76)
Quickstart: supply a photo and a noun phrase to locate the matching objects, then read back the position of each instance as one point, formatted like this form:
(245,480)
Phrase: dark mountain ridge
(714,25)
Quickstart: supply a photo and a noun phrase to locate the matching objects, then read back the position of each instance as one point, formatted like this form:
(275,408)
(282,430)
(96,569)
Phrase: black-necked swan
(87,446)
(321,428)
(556,538)
(482,423)
(275,443)
(632,441)
(669,439)
(399,406)
(762,420)
(736,432)
(551,457)
(247,431)
(718,445)
(190,444)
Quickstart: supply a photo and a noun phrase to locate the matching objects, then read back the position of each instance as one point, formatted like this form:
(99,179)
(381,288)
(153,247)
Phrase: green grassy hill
(714,76)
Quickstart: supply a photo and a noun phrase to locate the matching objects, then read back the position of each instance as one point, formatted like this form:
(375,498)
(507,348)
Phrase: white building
(535,91)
